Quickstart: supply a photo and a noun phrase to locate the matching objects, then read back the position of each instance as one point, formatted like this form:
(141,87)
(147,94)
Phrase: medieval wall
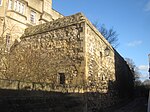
(100,68)
(69,46)
(43,57)
(68,53)
(124,77)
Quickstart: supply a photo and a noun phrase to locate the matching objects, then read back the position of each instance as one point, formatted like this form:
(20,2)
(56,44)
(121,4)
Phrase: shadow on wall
(124,77)
(36,97)
(28,100)
(40,101)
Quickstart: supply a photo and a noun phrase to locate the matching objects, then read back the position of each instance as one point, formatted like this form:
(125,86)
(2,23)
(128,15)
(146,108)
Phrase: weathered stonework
(100,68)
(70,45)
(47,55)
(67,55)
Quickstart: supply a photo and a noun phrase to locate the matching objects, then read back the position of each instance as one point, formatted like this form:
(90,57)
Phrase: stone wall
(42,57)
(42,86)
(124,77)
(100,68)
(71,47)
(70,54)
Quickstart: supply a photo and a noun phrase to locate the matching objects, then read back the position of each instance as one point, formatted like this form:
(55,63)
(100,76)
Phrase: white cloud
(143,76)
(147,6)
(143,67)
(134,43)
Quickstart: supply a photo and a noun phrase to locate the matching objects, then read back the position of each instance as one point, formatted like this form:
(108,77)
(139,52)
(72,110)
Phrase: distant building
(16,15)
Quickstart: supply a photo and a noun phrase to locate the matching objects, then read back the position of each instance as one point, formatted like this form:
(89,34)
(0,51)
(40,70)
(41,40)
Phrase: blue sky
(130,18)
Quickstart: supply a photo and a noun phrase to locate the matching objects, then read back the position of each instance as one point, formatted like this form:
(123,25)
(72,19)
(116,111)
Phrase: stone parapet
(56,24)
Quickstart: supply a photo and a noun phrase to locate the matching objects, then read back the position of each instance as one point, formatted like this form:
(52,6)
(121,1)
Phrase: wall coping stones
(52,25)
(61,23)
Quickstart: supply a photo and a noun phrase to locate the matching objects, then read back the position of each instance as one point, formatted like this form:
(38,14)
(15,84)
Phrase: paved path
(137,105)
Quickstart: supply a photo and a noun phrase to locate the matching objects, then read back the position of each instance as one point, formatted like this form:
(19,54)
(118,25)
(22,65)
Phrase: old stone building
(69,51)
(16,15)
(66,54)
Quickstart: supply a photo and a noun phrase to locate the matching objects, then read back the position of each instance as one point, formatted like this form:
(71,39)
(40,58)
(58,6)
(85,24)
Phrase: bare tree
(133,68)
(146,83)
(8,31)
(110,34)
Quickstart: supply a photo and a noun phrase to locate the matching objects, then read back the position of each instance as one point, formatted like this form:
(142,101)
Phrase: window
(22,8)
(62,78)
(10,6)
(100,54)
(33,16)
(19,7)
(15,6)
(100,57)
(1,2)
